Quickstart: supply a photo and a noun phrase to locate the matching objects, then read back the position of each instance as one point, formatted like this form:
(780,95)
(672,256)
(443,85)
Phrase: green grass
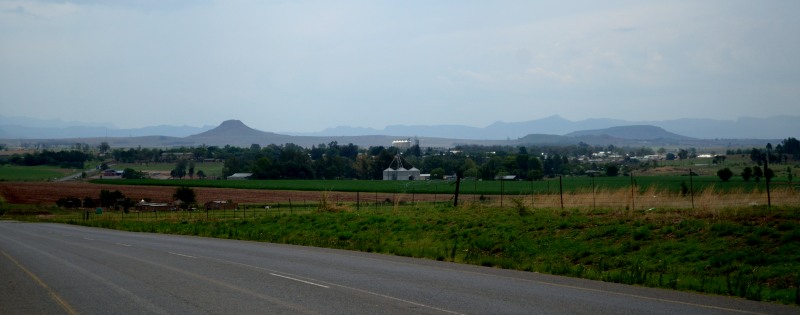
(751,252)
(33,173)
(548,186)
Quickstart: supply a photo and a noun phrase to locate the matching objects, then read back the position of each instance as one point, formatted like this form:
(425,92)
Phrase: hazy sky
(309,65)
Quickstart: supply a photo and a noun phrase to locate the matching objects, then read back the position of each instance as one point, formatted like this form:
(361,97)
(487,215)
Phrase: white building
(402,144)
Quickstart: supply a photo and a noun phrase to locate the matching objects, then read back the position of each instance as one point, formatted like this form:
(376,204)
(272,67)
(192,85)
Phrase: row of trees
(66,159)
(788,148)
(332,161)
(755,173)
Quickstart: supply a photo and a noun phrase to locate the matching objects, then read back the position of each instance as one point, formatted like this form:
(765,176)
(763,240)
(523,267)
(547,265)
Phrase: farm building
(402,143)
(400,172)
(240,176)
(153,206)
(110,172)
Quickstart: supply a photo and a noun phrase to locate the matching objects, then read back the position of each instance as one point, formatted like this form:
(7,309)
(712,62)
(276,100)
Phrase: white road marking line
(272,272)
(121,244)
(182,255)
(88,239)
(298,280)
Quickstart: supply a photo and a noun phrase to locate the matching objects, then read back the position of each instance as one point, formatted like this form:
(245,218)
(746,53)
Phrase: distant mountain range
(236,133)
(31,128)
(552,130)
(779,127)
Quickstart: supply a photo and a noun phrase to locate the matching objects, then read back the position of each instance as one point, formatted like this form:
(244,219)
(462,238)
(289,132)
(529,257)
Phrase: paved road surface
(62,269)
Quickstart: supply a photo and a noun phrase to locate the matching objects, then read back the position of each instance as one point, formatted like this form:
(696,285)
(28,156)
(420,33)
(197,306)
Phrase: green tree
(127,203)
(757,173)
(110,198)
(263,169)
(201,174)
(683,154)
(185,194)
(769,174)
(747,173)
(791,146)
(612,170)
(180,169)
(437,173)
(130,173)
(231,166)
(725,174)
(103,147)
(471,173)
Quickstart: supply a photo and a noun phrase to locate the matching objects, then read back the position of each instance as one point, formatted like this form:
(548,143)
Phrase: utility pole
(766,175)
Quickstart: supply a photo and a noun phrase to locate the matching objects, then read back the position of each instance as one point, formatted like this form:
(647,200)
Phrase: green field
(547,186)
(33,173)
(751,252)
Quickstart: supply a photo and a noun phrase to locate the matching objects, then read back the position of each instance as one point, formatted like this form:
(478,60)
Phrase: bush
(130,173)
(747,173)
(68,202)
(725,174)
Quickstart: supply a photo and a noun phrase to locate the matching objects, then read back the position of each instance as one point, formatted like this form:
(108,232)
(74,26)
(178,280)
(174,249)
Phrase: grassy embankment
(751,252)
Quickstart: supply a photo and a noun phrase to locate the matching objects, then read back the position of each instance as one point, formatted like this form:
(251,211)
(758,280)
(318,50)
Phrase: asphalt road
(63,269)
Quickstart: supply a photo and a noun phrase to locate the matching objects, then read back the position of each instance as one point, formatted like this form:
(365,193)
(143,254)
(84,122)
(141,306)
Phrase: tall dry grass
(708,201)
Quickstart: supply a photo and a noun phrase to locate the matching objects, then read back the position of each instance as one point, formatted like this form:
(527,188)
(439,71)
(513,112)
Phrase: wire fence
(781,195)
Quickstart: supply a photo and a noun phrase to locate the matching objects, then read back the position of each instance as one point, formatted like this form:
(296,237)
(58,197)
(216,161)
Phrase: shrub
(725,174)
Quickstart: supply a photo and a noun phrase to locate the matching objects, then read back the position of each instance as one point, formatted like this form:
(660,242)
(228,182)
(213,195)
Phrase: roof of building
(240,175)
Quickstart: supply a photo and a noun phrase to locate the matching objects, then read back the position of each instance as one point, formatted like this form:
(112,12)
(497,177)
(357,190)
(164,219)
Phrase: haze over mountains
(742,128)
(552,130)
(778,127)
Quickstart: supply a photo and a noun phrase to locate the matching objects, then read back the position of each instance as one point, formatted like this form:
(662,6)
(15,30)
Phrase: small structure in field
(220,205)
(153,206)
(240,176)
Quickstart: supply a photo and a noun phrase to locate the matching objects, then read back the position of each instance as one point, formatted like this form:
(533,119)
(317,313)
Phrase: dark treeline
(66,159)
(335,161)
(788,148)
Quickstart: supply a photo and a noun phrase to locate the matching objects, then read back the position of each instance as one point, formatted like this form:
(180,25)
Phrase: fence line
(585,199)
